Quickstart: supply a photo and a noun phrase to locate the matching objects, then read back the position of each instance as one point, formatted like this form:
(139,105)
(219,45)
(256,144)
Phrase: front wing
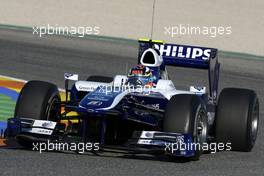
(174,144)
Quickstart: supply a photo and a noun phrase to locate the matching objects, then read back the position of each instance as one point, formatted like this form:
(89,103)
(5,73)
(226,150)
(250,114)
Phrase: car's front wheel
(38,100)
(186,114)
(237,118)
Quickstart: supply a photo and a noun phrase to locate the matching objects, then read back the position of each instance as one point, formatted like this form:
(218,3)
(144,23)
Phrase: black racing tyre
(96,78)
(237,118)
(186,113)
(38,100)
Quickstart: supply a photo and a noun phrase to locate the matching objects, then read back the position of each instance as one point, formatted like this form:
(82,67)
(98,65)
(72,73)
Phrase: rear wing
(187,56)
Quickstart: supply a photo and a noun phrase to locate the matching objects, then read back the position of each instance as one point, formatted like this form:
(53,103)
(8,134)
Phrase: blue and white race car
(142,111)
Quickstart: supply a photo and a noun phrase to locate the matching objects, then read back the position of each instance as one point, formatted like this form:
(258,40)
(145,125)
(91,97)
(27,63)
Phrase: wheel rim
(53,109)
(201,127)
(254,123)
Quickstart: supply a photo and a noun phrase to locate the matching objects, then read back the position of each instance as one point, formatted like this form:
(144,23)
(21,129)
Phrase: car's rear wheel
(187,114)
(237,118)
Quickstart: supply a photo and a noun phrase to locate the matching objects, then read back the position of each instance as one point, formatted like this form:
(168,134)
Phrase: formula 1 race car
(141,112)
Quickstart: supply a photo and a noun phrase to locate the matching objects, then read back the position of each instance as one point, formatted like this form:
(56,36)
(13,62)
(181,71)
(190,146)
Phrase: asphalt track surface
(25,56)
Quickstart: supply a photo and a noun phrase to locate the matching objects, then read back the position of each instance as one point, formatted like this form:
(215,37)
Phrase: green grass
(5,98)
(7,107)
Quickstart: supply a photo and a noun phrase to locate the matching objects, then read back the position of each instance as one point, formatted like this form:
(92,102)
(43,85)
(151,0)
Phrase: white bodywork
(88,86)
(164,86)
(157,58)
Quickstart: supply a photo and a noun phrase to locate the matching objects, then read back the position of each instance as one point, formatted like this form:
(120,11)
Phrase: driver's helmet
(141,75)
